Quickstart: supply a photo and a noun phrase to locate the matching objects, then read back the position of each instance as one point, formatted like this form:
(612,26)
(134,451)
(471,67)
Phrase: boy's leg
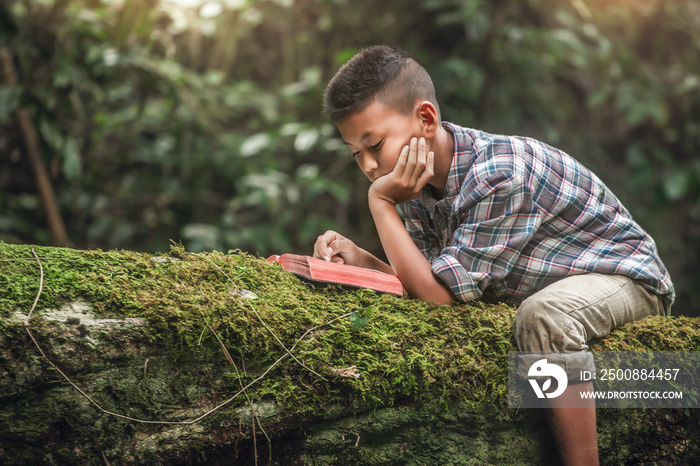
(574,429)
(562,318)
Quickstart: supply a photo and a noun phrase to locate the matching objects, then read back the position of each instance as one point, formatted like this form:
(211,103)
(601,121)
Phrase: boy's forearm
(370,261)
(409,264)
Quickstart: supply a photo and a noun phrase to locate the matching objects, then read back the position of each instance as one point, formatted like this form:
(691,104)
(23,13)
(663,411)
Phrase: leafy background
(200,121)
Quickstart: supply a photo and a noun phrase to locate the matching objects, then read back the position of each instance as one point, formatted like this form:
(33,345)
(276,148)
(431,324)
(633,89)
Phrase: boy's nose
(368,163)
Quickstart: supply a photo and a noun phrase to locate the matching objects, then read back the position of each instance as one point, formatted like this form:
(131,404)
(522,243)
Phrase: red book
(320,271)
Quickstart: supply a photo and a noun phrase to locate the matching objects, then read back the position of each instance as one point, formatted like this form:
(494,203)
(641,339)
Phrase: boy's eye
(377,145)
(356,154)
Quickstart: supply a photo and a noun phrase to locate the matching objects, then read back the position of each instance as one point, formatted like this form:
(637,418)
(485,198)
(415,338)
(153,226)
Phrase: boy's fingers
(333,247)
(322,249)
(402,161)
(421,158)
(410,165)
(415,170)
(428,172)
(409,175)
(338,247)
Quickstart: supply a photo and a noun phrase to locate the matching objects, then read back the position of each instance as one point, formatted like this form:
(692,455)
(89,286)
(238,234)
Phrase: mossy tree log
(219,359)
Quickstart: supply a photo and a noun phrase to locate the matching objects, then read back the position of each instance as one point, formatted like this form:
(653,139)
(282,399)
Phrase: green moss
(407,348)
(674,333)
(202,309)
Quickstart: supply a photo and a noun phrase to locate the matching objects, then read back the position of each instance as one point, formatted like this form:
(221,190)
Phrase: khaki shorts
(565,315)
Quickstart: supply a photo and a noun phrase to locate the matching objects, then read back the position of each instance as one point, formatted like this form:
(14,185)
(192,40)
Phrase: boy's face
(376,136)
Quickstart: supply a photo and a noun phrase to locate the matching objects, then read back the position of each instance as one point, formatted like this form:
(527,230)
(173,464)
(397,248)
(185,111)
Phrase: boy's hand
(414,169)
(334,247)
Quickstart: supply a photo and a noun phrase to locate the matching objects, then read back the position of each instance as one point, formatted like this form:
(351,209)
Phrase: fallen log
(119,357)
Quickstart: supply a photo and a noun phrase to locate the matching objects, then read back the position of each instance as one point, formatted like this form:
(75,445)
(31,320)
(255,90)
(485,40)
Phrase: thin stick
(104,457)
(41,287)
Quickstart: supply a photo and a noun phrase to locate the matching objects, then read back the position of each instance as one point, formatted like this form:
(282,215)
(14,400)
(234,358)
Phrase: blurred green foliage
(201,121)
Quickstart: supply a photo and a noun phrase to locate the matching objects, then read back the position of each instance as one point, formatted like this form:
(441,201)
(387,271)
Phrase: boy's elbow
(439,294)
(447,298)
(426,286)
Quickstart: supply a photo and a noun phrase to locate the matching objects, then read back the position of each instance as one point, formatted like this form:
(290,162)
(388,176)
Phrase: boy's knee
(540,326)
(529,323)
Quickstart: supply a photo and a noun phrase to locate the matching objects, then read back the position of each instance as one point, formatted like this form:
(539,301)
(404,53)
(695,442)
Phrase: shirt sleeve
(420,228)
(497,219)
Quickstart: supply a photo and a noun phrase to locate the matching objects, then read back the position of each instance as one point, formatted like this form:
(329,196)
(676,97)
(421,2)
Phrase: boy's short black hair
(387,73)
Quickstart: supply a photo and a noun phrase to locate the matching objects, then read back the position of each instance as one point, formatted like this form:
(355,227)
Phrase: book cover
(321,271)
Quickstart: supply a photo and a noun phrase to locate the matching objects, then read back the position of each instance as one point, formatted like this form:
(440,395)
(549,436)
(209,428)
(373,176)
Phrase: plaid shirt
(518,215)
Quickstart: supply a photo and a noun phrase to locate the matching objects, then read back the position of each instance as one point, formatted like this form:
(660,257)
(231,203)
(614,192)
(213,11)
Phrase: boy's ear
(429,119)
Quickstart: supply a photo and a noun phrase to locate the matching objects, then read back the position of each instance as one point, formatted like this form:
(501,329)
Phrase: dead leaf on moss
(346,372)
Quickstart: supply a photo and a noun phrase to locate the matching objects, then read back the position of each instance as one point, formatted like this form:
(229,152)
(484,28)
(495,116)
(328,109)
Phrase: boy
(493,217)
